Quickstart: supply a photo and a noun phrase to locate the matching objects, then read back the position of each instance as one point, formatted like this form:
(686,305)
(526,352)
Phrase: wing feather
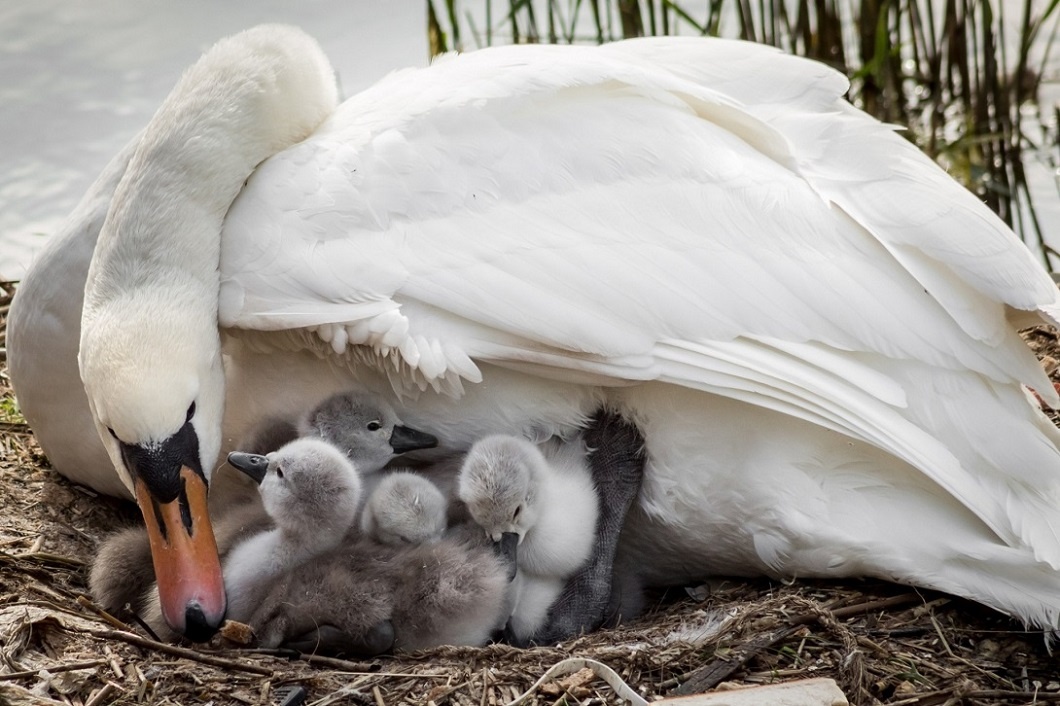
(705,213)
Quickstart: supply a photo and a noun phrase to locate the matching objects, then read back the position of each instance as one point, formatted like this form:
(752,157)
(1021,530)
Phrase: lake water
(79,79)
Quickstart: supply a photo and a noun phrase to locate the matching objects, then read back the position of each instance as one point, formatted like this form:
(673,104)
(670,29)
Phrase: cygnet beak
(254,465)
(404,439)
(508,550)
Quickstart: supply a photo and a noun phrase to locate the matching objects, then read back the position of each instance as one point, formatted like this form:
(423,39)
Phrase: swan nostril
(196,627)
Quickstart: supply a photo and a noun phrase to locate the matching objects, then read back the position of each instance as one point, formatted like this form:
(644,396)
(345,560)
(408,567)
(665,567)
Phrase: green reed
(960,74)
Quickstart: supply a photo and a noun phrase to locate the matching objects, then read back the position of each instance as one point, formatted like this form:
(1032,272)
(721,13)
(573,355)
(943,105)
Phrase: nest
(882,643)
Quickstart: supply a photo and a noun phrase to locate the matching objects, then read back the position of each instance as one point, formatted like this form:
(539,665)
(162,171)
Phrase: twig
(72,667)
(441,695)
(104,693)
(112,660)
(872,606)
(49,558)
(710,675)
(142,623)
(85,602)
(1021,695)
(942,638)
(339,665)
(179,651)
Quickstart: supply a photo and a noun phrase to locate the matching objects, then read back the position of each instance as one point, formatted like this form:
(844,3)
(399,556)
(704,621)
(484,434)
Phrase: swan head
(366,427)
(155,386)
(150,355)
(308,486)
(499,484)
(405,509)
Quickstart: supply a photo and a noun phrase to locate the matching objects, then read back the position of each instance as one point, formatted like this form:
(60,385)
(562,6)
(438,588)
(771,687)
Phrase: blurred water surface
(79,79)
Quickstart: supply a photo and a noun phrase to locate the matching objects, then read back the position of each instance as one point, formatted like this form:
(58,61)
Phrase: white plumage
(814,327)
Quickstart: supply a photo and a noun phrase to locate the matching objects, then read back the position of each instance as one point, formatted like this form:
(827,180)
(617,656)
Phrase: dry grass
(882,643)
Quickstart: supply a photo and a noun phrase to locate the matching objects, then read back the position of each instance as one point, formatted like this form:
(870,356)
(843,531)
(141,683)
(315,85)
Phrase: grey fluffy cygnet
(366,598)
(404,508)
(122,577)
(312,492)
(365,427)
(539,505)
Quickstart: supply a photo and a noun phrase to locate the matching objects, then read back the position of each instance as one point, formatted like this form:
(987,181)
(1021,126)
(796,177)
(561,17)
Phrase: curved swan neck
(249,97)
(150,346)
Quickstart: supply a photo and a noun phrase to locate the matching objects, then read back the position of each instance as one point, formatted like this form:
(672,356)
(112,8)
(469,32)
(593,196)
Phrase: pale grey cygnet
(404,509)
(365,427)
(367,598)
(538,504)
(311,492)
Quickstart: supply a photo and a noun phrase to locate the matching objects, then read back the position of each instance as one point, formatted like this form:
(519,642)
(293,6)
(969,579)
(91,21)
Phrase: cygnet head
(366,428)
(307,485)
(498,483)
(405,509)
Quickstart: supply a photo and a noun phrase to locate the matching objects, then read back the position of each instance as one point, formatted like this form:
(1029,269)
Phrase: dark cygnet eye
(374,426)
(191,413)
(515,515)
(113,434)
(279,472)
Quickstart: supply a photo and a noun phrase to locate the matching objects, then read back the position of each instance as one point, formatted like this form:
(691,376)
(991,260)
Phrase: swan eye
(374,426)
(113,434)
(515,515)
(279,472)
(191,413)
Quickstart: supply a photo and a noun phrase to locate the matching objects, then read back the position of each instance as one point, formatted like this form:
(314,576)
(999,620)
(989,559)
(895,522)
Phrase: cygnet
(539,505)
(359,423)
(367,598)
(312,492)
(404,508)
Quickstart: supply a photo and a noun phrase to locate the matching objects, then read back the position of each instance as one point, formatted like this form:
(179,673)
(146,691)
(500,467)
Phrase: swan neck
(249,97)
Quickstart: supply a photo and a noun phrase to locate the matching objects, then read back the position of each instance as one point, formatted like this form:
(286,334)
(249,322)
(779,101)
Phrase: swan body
(540,509)
(813,326)
(404,508)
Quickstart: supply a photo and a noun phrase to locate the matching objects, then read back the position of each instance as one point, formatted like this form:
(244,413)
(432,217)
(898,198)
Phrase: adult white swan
(812,325)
